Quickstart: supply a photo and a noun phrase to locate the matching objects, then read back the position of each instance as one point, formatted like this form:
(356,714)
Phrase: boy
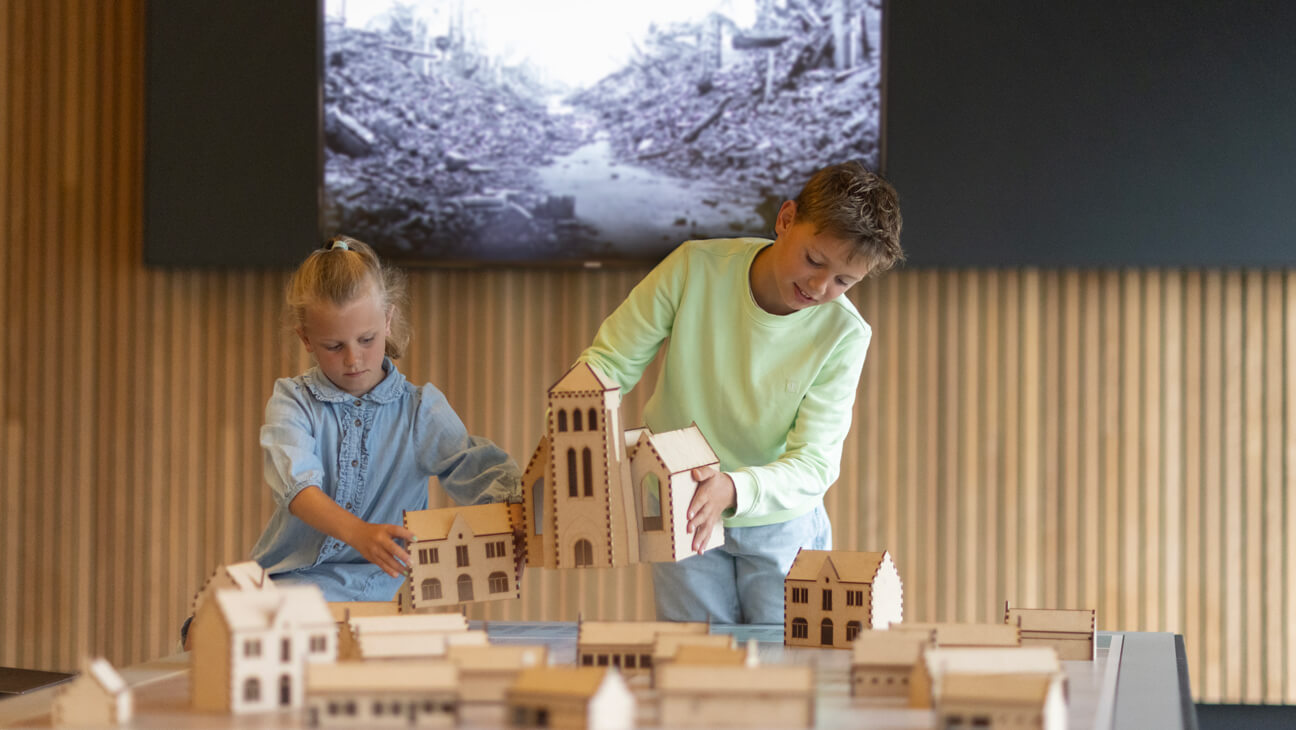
(765,356)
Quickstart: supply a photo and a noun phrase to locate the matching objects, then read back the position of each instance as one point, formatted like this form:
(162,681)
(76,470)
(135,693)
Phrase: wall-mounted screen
(576,131)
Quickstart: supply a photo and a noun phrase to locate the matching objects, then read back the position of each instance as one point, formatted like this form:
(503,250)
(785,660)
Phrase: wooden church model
(597,496)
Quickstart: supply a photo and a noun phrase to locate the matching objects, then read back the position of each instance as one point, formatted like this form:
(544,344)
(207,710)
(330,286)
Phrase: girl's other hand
(378,544)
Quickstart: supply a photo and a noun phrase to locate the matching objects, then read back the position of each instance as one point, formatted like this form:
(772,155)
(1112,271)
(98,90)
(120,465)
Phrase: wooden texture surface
(1121,440)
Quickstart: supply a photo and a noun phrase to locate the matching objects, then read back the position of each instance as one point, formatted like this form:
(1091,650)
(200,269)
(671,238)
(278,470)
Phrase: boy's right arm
(375,542)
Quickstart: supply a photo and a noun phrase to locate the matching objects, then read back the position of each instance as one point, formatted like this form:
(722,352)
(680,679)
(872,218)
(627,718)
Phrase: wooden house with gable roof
(699,695)
(936,663)
(1072,632)
(573,698)
(1007,701)
(245,576)
(97,697)
(882,661)
(661,467)
(830,596)
(460,555)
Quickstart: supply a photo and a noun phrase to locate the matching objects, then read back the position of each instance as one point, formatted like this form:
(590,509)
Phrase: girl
(350,444)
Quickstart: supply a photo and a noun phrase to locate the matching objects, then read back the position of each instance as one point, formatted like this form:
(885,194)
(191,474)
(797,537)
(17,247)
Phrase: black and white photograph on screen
(578,131)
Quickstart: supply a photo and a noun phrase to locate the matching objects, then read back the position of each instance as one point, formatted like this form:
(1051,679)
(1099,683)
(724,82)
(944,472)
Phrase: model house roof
(992,660)
(710,655)
(1024,689)
(479,519)
(497,656)
(666,645)
(390,676)
(297,605)
(562,681)
(412,635)
(344,611)
(681,449)
(888,648)
(634,632)
(409,623)
(105,676)
(964,634)
(850,566)
(765,679)
(582,378)
(1051,619)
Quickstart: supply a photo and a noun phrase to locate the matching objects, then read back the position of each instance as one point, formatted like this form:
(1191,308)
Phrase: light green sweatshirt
(772,394)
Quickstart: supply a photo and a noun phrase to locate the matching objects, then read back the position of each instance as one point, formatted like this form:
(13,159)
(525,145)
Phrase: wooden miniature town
(597,496)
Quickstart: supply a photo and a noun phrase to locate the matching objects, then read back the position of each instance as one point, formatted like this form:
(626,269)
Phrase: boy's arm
(629,338)
(375,542)
(812,459)
(473,470)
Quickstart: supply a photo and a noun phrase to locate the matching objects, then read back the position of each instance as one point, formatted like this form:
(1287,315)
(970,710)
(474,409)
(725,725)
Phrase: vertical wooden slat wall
(1122,440)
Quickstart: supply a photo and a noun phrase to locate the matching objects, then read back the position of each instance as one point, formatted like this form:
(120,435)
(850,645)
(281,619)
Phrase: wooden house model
(97,697)
(487,671)
(571,698)
(951,635)
(830,596)
(460,555)
(882,662)
(406,636)
(344,611)
(245,576)
(382,694)
(627,645)
(935,663)
(250,649)
(1010,701)
(667,646)
(1072,632)
(736,696)
(583,504)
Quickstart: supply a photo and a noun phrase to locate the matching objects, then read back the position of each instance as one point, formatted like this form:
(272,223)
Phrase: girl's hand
(378,544)
(714,495)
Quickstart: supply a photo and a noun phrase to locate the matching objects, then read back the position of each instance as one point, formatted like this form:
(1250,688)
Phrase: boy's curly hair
(848,201)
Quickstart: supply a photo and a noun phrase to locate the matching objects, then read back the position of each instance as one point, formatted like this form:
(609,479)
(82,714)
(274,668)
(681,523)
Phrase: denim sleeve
(473,470)
(292,460)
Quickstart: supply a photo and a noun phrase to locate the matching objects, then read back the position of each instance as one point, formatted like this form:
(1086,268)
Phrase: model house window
(431,589)
(587,660)
(589,472)
(630,661)
(318,644)
(252,647)
(645,661)
(854,598)
(428,556)
(537,505)
(461,556)
(285,649)
(497,582)
(827,599)
(576,420)
(602,660)
(465,588)
(584,553)
(495,549)
(800,595)
(852,630)
(800,628)
(652,516)
(252,690)
(593,424)
(562,420)
(572,485)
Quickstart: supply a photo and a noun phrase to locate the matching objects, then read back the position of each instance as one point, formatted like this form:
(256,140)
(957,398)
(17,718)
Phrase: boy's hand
(715,494)
(377,543)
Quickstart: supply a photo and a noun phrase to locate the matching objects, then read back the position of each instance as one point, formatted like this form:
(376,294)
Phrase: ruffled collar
(386,391)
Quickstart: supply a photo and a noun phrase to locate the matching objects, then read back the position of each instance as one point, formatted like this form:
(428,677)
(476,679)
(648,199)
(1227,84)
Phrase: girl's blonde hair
(341,272)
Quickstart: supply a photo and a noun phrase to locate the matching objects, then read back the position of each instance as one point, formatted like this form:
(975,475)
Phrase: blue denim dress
(372,454)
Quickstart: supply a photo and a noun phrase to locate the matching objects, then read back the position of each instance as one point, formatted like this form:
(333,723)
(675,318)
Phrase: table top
(1138,681)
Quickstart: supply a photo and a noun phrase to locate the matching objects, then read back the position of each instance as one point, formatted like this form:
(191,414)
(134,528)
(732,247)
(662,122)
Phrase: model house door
(825,632)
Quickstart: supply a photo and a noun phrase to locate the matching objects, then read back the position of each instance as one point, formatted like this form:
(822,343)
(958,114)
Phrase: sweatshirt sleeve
(629,338)
(812,460)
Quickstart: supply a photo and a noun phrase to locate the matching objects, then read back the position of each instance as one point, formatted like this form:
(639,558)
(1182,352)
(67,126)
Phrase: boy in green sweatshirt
(764,356)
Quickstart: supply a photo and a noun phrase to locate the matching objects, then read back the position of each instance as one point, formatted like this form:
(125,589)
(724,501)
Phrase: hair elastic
(340,244)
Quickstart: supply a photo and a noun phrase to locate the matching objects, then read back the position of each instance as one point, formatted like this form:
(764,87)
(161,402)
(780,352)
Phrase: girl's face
(803,268)
(349,341)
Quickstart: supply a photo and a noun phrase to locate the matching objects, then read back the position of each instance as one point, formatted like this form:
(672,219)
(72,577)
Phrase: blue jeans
(740,582)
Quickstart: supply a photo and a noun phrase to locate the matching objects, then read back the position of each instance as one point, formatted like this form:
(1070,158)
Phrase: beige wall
(1121,440)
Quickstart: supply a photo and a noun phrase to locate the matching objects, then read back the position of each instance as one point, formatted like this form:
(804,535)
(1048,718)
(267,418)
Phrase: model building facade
(627,645)
(382,694)
(1008,701)
(584,505)
(250,649)
(882,662)
(736,696)
(460,555)
(574,698)
(830,596)
(98,697)
(1072,632)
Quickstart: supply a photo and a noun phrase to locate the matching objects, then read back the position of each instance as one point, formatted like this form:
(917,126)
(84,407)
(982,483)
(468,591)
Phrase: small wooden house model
(571,698)
(1009,701)
(344,611)
(98,697)
(593,498)
(245,576)
(627,645)
(935,663)
(667,646)
(736,696)
(382,694)
(250,649)
(406,636)
(1072,632)
(487,671)
(830,596)
(882,662)
(952,635)
(460,555)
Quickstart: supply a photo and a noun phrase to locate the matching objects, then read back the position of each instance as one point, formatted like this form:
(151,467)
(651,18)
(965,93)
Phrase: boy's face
(349,341)
(804,268)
